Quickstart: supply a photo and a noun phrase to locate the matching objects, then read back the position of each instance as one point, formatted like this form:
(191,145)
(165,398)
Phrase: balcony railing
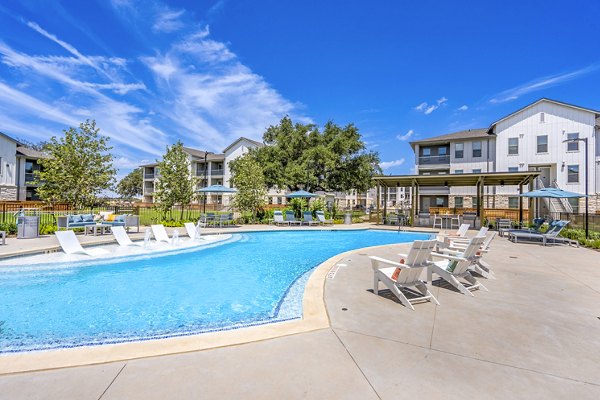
(149,176)
(29,178)
(218,171)
(148,190)
(431,160)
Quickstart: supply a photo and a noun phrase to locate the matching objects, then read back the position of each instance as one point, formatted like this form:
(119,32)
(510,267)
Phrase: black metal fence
(577,221)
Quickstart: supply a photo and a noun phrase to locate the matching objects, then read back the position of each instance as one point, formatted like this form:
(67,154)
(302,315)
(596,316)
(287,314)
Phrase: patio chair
(503,223)
(278,218)
(456,266)
(481,267)
(160,233)
(437,220)
(70,245)
(122,237)
(537,224)
(291,218)
(551,235)
(460,233)
(401,276)
(464,240)
(223,220)
(193,231)
(322,220)
(308,219)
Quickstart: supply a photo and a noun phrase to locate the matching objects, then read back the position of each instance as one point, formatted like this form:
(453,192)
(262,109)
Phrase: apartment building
(531,138)
(17,166)
(208,168)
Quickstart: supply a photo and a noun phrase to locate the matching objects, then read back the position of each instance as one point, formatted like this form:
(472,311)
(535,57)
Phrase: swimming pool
(250,279)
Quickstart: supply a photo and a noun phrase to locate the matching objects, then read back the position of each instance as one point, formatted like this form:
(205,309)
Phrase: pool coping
(314,317)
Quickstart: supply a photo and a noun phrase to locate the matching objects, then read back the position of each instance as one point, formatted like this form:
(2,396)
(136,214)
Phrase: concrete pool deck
(533,335)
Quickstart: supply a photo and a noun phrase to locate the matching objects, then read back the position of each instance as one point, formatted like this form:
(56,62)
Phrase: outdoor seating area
(220,220)
(103,220)
(307,218)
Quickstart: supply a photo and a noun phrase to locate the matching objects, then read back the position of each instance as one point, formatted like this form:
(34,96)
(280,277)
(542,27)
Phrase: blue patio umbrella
(554,193)
(302,194)
(217,189)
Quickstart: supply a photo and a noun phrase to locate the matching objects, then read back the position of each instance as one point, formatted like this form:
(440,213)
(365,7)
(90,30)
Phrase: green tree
(248,178)
(300,156)
(78,167)
(131,185)
(176,186)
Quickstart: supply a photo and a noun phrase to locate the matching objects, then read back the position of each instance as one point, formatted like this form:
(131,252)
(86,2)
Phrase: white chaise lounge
(160,233)
(400,276)
(70,245)
(122,237)
(456,266)
(193,231)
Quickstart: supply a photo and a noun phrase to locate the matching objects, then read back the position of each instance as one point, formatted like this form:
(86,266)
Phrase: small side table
(97,229)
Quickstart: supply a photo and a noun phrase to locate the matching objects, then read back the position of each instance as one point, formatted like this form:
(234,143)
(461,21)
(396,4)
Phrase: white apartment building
(210,169)
(17,166)
(531,138)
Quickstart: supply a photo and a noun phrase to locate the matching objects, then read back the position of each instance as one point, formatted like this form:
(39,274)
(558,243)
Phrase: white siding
(486,163)
(8,164)
(559,120)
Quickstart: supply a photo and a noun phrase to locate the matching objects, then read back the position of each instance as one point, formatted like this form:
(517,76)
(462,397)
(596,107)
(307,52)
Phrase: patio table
(96,229)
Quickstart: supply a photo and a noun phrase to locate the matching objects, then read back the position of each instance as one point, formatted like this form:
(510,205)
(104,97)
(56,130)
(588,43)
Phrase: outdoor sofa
(68,222)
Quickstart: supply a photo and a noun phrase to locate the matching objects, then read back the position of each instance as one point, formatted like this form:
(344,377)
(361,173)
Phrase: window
(574,205)
(542,144)
(474,200)
(476,149)
(477,171)
(513,145)
(442,151)
(542,117)
(458,171)
(439,202)
(270,200)
(573,173)
(459,150)
(513,202)
(572,146)
(458,202)
(513,169)
(426,151)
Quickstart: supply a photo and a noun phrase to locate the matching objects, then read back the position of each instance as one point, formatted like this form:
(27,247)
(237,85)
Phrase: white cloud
(389,164)
(168,20)
(406,136)
(541,83)
(427,108)
(464,107)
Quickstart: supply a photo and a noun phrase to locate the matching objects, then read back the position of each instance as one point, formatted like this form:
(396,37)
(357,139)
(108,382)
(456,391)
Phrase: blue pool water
(252,278)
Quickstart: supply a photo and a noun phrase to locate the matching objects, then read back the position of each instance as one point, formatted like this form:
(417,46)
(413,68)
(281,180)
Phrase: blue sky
(207,72)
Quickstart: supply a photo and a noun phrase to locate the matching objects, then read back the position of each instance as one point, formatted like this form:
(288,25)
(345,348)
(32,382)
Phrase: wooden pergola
(478,180)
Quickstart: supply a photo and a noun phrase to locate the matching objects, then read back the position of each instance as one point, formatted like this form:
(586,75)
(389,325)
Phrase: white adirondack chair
(408,276)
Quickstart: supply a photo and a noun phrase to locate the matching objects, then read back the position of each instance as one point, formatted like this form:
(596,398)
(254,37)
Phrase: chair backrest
(307,215)
(290,216)
(488,240)
(320,216)
(160,233)
(555,230)
(417,259)
(462,230)
(469,255)
(278,216)
(68,241)
(482,231)
(190,228)
(121,236)
(224,217)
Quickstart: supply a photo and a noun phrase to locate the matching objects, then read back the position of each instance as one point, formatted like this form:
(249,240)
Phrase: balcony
(149,176)
(217,171)
(148,190)
(29,178)
(434,160)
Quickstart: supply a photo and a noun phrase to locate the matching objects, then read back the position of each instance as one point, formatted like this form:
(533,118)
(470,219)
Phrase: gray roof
(258,144)
(27,152)
(200,154)
(460,135)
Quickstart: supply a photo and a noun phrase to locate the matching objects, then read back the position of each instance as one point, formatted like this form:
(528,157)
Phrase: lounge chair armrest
(449,250)
(448,257)
(388,262)
(403,255)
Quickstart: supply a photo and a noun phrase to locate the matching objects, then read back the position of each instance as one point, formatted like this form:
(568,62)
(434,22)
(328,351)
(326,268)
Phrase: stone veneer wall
(489,201)
(8,193)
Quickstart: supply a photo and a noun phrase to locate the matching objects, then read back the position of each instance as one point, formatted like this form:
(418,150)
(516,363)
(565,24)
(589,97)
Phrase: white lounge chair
(456,266)
(465,240)
(322,220)
(409,275)
(460,233)
(193,231)
(122,237)
(70,245)
(160,233)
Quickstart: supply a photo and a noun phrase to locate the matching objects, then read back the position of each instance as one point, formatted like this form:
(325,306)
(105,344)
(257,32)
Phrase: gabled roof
(27,152)
(560,103)
(9,138)
(258,144)
(460,135)
(200,154)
